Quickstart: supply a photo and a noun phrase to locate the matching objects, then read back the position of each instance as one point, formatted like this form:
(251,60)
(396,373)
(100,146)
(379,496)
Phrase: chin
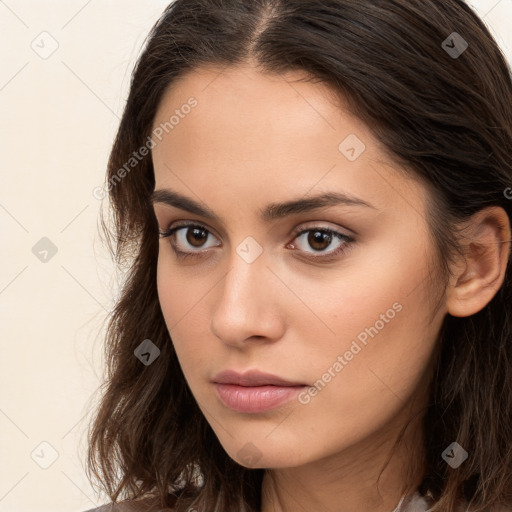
(256,455)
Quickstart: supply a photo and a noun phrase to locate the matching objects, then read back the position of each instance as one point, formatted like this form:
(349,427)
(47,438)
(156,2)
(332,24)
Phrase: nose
(248,308)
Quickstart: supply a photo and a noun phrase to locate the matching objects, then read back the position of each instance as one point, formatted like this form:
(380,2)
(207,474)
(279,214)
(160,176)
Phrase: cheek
(376,316)
(174,299)
(360,378)
(167,293)
(377,291)
(178,292)
(183,300)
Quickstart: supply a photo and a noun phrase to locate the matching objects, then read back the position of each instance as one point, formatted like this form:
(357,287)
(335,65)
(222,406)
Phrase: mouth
(254,391)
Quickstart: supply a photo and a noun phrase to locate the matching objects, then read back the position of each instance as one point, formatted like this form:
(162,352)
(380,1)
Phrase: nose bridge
(242,285)
(244,307)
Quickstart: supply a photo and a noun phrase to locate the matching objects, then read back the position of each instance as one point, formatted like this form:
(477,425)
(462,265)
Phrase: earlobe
(479,273)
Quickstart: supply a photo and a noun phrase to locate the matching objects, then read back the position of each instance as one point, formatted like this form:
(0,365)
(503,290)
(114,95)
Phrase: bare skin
(253,140)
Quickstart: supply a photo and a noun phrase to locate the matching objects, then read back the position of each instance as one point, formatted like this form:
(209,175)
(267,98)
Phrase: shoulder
(145,505)
(419,503)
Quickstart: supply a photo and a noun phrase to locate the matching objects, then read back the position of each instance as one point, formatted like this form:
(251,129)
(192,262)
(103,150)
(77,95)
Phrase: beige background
(59,114)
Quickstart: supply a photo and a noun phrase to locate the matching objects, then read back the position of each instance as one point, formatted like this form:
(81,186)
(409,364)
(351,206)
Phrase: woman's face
(331,295)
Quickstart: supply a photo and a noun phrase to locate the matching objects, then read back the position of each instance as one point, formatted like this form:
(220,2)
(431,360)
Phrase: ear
(479,273)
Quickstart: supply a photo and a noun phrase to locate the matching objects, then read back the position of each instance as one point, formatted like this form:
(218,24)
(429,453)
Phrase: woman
(312,199)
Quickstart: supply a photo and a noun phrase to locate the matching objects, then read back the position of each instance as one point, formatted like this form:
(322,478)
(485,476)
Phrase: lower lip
(255,398)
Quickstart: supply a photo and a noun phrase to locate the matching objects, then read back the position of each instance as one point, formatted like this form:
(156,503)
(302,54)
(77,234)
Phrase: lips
(254,391)
(253,378)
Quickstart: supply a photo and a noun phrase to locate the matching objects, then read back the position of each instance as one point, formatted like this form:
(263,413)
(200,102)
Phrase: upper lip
(252,378)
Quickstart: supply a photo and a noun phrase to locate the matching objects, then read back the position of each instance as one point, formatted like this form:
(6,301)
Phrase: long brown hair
(441,105)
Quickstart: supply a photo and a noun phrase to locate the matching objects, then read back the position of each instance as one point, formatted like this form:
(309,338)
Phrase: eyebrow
(271,212)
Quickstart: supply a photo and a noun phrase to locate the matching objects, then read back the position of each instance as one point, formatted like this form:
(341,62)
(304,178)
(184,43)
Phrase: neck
(372,475)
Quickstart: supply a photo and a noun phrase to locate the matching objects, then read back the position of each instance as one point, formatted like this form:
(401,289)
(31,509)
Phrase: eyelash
(347,240)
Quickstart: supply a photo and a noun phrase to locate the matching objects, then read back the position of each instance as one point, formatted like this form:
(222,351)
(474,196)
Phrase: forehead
(248,84)
(257,133)
(249,115)
(242,105)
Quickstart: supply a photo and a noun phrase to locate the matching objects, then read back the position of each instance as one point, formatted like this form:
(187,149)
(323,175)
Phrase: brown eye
(187,239)
(196,236)
(317,241)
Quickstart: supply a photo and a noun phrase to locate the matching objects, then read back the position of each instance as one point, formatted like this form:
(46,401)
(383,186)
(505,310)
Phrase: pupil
(316,238)
(198,235)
